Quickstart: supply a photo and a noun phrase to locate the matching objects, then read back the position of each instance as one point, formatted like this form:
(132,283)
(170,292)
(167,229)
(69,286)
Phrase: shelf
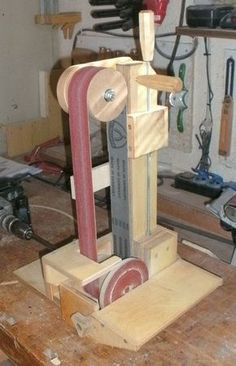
(206,32)
(66,21)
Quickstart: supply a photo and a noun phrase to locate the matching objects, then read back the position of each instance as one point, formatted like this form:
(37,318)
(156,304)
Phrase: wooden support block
(75,266)
(137,95)
(67,263)
(32,274)
(74,301)
(158,250)
(100,176)
(147,132)
(139,189)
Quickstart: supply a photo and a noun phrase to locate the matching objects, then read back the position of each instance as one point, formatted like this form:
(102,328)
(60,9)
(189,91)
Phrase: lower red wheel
(130,273)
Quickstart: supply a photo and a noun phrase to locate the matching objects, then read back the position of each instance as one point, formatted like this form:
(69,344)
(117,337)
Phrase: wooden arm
(161,82)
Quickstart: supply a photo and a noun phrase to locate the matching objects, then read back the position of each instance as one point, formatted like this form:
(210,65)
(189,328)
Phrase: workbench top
(31,328)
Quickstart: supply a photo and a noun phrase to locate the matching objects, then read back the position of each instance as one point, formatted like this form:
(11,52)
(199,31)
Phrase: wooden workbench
(31,328)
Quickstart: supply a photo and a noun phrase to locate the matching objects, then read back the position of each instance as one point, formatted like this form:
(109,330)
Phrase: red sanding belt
(131,272)
(81,159)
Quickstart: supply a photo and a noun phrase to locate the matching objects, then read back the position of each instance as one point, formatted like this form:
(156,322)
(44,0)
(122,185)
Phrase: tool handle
(161,82)
(100,27)
(229,79)
(102,2)
(106,13)
(226,126)
(147,34)
(182,72)
(180,120)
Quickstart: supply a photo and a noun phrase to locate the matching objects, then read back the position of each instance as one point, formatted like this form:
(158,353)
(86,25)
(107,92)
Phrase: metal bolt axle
(109,95)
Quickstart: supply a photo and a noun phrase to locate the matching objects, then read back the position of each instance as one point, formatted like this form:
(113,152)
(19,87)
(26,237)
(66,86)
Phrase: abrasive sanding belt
(132,272)
(81,158)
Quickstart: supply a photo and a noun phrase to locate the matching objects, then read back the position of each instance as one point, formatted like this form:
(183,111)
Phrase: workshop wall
(183,152)
(26,48)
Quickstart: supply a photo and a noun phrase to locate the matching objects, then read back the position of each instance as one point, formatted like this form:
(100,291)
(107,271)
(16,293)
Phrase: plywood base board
(134,319)
(32,274)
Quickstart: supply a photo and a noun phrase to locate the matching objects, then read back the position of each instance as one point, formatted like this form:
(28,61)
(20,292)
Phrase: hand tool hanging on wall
(227,110)
(203,182)
(205,127)
(180,117)
(127,11)
(178,100)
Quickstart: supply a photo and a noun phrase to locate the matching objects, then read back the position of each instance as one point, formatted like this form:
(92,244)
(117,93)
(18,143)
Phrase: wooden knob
(147,34)
(107,95)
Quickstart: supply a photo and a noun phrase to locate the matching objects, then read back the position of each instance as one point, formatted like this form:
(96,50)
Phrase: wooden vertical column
(147,126)
(138,187)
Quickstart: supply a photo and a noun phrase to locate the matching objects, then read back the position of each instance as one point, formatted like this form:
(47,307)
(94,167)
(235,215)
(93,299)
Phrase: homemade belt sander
(125,287)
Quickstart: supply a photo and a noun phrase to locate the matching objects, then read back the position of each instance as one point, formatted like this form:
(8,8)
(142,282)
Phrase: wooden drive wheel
(130,273)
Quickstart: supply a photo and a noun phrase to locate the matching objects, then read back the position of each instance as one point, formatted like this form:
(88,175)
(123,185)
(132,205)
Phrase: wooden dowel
(161,82)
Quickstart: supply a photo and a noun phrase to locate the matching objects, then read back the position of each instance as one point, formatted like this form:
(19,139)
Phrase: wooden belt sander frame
(92,285)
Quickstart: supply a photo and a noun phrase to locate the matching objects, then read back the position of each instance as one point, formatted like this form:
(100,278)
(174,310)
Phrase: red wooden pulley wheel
(127,275)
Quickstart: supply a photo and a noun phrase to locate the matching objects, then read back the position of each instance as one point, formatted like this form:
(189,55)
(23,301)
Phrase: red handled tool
(127,11)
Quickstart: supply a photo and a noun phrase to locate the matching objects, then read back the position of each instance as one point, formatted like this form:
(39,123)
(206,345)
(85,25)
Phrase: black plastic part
(102,2)
(106,13)
(190,182)
(206,15)
(102,27)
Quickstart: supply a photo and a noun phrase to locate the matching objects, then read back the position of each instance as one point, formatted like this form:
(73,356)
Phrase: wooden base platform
(134,319)
(205,335)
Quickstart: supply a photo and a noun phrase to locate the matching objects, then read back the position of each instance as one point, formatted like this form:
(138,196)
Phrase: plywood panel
(32,274)
(144,312)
